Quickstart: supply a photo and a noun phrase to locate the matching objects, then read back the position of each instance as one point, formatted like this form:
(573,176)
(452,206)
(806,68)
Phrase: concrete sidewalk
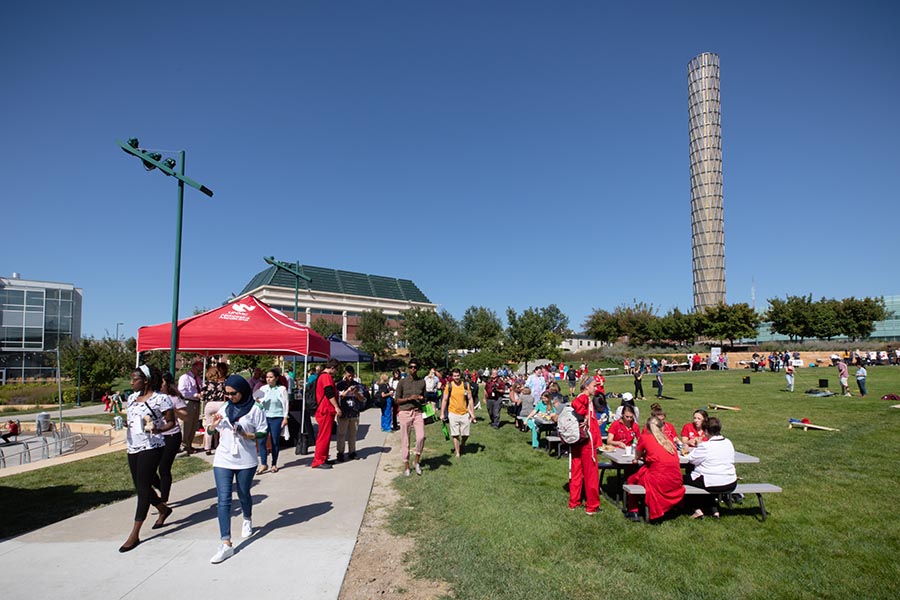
(305,521)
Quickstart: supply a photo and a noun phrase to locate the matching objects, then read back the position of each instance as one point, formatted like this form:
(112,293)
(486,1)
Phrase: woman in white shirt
(713,471)
(149,414)
(273,400)
(239,423)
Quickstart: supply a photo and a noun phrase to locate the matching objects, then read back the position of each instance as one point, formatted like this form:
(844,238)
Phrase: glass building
(35,317)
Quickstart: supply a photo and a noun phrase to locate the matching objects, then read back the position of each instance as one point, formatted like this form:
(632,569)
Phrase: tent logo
(243,307)
(238,312)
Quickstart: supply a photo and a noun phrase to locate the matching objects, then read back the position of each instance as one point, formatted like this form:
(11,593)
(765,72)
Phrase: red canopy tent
(247,326)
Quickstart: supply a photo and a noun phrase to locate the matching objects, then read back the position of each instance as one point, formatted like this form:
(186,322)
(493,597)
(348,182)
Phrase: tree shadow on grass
(25,510)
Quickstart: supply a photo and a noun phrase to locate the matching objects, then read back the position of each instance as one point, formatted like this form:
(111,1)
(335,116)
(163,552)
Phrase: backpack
(309,396)
(570,430)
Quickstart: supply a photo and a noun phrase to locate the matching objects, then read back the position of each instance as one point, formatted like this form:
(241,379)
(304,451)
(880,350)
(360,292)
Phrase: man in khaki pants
(189,386)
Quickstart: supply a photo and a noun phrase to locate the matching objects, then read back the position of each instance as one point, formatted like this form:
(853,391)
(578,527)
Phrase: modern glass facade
(35,317)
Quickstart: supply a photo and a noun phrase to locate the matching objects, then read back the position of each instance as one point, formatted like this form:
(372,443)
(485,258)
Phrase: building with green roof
(335,295)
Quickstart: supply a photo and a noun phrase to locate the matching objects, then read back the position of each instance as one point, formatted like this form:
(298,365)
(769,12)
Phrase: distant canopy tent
(247,326)
(345,352)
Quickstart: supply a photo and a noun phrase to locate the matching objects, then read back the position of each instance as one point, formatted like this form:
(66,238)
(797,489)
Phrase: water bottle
(633,445)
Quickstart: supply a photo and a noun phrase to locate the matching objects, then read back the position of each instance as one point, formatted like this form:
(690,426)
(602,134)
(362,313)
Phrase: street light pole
(117,330)
(172,168)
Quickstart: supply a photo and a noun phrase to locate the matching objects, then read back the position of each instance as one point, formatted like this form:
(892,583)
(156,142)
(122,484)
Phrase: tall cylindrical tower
(707,214)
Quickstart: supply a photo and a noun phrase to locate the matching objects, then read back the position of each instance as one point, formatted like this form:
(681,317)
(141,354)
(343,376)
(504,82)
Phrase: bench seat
(742,488)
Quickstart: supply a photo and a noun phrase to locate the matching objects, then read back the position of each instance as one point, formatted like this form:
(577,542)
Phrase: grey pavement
(306,522)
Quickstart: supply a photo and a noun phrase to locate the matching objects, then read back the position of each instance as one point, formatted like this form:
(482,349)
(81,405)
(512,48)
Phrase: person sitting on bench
(713,462)
(13,431)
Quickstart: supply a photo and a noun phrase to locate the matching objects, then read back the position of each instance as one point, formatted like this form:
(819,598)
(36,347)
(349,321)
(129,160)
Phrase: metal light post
(154,160)
(78,397)
(117,330)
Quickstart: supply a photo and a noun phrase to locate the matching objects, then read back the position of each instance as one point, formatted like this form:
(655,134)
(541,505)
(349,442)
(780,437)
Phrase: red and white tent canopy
(247,326)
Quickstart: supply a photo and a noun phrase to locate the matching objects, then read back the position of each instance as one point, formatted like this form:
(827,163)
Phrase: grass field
(31,500)
(494,524)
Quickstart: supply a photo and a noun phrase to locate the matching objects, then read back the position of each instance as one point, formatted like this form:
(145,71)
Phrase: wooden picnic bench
(742,488)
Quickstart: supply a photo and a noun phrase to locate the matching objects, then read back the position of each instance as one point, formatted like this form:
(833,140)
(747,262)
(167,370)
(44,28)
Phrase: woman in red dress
(695,432)
(583,454)
(660,475)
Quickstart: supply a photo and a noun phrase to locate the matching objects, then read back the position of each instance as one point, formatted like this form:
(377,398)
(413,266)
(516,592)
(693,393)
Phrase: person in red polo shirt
(326,410)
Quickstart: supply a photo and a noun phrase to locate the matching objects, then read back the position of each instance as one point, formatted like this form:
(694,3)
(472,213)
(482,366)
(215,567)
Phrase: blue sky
(496,153)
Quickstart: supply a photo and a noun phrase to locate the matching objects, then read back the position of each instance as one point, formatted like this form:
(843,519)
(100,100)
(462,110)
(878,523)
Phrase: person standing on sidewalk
(189,386)
(240,423)
(410,395)
(273,400)
(351,398)
(163,481)
(326,409)
(149,414)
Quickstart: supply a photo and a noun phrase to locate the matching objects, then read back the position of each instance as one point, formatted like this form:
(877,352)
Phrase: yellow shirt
(458,403)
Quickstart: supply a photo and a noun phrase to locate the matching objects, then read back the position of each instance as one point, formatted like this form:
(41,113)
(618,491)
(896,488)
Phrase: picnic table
(618,461)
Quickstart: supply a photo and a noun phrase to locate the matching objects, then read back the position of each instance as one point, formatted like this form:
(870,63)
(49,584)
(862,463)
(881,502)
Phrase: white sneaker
(221,554)
(246,529)
(406,472)
(418,470)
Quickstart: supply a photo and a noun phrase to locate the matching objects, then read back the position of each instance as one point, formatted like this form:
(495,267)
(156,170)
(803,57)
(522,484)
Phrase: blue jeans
(224,480)
(275,434)
(861,382)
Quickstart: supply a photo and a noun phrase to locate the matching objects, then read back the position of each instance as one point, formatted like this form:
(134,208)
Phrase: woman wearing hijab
(660,475)
(149,414)
(273,399)
(240,422)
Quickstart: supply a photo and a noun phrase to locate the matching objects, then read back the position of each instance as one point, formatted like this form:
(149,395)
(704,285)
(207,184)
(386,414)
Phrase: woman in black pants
(149,414)
(173,438)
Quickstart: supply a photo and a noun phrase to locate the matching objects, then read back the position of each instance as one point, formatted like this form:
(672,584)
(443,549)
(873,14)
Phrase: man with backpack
(327,408)
(458,409)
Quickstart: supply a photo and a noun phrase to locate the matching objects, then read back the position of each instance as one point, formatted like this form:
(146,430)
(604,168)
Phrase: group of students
(658,447)
(244,421)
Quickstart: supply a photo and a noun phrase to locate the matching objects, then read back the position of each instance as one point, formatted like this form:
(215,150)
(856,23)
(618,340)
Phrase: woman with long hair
(273,400)
(173,437)
(240,422)
(660,475)
(695,432)
(213,395)
(149,415)
(583,454)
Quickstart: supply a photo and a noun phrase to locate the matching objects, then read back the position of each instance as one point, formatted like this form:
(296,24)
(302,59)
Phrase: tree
(857,317)
(248,362)
(101,361)
(375,335)
(792,316)
(531,335)
(678,326)
(326,328)
(637,321)
(730,321)
(557,322)
(428,335)
(480,360)
(601,325)
(481,329)
(825,320)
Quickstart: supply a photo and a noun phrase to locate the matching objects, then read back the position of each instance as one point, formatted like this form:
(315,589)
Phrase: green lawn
(495,523)
(34,499)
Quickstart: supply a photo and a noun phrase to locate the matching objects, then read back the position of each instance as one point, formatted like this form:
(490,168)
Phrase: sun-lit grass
(31,500)
(494,524)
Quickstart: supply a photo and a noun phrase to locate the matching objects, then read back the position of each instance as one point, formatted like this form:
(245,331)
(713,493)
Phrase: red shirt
(600,380)
(325,407)
(618,432)
(660,476)
(690,432)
